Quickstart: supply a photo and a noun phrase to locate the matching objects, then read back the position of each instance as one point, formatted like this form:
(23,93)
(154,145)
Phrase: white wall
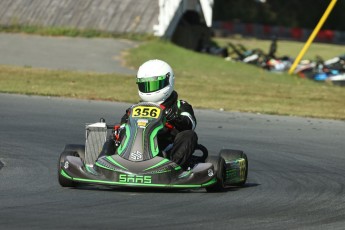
(171,11)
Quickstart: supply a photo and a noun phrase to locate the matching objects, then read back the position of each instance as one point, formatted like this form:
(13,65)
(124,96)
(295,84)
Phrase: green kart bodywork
(138,162)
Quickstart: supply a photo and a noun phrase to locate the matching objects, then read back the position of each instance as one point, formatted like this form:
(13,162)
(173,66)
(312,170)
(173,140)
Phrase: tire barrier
(226,28)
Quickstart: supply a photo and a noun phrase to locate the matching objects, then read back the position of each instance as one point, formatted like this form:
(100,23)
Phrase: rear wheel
(219,169)
(232,155)
(63,181)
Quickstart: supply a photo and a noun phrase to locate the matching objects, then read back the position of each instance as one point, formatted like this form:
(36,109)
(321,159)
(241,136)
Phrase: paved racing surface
(83,54)
(296,175)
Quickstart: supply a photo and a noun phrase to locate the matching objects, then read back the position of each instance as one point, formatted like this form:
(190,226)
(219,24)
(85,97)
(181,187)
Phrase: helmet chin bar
(156,97)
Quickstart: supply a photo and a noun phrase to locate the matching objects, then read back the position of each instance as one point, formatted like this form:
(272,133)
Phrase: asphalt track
(65,53)
(296,173)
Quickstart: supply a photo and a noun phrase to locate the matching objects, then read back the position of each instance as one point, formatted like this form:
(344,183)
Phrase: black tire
(204,151)
(78,150)
(63,181)
(229,155)
(219,168)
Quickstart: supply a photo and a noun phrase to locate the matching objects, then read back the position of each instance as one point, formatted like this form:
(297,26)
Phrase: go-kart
(138,162)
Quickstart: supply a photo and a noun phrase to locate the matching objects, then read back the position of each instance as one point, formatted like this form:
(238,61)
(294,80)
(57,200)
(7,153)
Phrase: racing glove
(179,122)
(182,123)
(171,113)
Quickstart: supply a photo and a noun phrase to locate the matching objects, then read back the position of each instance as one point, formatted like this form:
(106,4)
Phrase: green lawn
(203,80)
(290,48)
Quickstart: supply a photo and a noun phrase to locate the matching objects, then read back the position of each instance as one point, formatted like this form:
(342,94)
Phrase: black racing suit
(179,132)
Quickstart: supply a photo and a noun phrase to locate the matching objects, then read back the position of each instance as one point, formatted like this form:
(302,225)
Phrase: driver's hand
(171,113)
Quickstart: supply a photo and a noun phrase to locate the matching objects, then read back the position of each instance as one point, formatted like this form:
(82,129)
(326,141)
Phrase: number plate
(146,112)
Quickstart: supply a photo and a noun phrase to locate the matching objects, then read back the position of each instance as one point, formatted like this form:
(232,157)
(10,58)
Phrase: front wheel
(237,162)
(79,150)
(219,169)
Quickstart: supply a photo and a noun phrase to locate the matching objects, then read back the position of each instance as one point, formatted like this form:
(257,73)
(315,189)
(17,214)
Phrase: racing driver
(177,140)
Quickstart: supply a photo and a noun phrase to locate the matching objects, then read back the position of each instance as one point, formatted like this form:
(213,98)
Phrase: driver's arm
(185,119)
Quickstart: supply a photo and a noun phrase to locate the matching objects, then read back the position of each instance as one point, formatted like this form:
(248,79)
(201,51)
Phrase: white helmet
(155,80)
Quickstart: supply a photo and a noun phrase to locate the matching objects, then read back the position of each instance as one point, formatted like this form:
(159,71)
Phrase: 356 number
(143,111)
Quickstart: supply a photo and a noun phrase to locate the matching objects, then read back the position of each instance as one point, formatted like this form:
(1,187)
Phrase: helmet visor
(152,84)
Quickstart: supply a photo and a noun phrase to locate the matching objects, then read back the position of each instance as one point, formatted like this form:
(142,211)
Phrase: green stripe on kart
(154,150)
(109,158)
(146,185)
(178,168)
(162,162)
(105,167)
(63,173)
(122,147)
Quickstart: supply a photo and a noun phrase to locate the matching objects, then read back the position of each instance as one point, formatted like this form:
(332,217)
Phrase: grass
(71,32)
(94,86)
(290,48)
(203,80)
(210,82)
